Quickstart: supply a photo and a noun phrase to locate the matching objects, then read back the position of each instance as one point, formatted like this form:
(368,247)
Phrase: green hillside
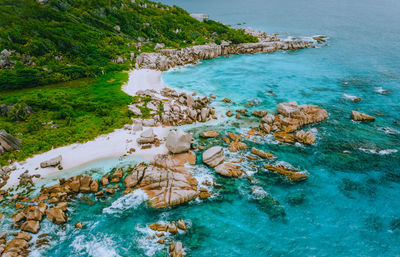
(62,40)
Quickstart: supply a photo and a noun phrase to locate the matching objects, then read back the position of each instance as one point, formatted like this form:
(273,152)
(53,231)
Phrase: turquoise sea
(350,204)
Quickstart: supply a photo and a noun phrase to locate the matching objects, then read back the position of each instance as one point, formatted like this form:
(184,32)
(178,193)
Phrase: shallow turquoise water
(349,205)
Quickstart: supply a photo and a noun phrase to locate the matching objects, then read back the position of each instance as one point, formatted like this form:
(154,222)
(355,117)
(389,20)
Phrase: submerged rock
(213,156)
(358,116)
(291,174)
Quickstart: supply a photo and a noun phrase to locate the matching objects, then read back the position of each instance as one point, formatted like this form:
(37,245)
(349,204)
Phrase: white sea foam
(128,201)
(349,97)
(380,152)
(380,90)
(97,246)
(258,192)
(389,130)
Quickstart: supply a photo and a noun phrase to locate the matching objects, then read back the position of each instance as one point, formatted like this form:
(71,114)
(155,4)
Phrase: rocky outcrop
(31,226)
(261,153)
(229,170)
(167,58)
(176,250)
(358,116)
(291,174)
(178,141)
(174,161)
(213,156)
(56,216)
(237,146)
(259,114)
(166,187)
(294,116)
(307,138)
(8,143)
(234,137)
(52,162)
(170,108)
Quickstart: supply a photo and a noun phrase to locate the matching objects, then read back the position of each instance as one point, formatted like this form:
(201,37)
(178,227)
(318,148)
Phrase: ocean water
(348,206)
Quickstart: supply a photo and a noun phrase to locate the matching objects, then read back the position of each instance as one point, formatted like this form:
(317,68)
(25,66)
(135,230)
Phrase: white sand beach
(110,145)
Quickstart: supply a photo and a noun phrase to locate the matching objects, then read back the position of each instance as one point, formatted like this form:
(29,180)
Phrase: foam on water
(380,152)
(96,246)
(125,202)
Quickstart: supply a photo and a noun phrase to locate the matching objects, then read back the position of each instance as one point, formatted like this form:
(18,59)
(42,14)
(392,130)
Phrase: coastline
(146,76)
(115,144)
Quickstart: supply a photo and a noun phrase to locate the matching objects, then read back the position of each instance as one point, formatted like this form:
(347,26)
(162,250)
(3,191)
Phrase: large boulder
(358,116)
(56,216)
(32,226)
(33,213)
(8,142)
(176,250)
(229,170)
(174,161)
(296,116)
(52,162)
(237,146)
(134,178)
(134,110)
(166,187)
(305,137)
(146,137)
(178,141)
(213,156)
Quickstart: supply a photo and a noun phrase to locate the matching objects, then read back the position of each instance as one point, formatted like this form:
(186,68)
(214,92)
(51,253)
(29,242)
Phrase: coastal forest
(63,62)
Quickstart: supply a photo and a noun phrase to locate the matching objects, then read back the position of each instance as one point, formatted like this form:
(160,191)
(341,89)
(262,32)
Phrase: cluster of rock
(289,118)
(165,59)
(7,62)
(170,108)
(175,249)
(215,157)
(166,182)
(16,112)
(8,143)
(148,138)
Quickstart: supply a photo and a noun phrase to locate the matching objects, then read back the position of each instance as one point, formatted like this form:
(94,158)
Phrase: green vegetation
(84,46)
(82,110)
(63,40)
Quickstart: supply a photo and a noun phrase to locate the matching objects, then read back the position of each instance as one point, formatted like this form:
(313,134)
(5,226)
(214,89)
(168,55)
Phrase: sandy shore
(110,145)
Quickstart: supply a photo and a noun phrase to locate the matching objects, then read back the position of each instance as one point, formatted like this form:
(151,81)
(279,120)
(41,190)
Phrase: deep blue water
(349,205)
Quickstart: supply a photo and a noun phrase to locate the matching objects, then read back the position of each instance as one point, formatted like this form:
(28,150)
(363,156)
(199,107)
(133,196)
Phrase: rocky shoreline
(167,180)
(165,59)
